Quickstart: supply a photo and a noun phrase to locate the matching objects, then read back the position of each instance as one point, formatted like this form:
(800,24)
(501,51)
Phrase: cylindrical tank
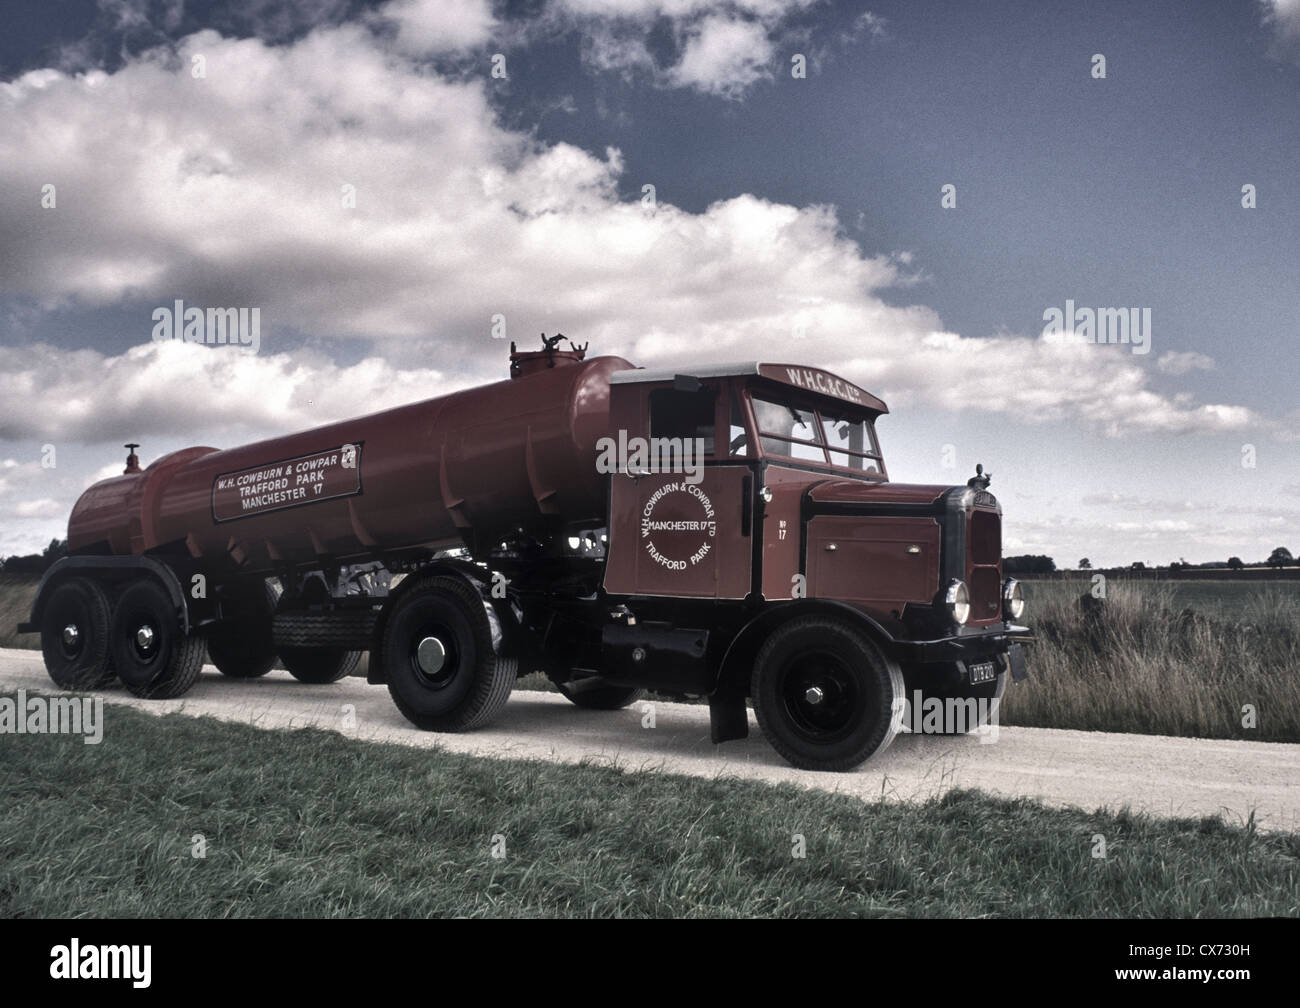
(489,459)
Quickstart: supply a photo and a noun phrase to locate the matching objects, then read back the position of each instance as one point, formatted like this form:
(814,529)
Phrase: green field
(1233,599)
(1227,599)
(308,823)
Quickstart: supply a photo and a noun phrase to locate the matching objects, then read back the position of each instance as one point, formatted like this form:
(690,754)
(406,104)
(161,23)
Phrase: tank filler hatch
(526,362)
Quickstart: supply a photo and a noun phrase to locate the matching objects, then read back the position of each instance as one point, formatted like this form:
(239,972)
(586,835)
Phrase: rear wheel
(595,693)
(241,647)
(442,669)
(74,635)
(319,665)
(826,697)
(152,655)
(317,647)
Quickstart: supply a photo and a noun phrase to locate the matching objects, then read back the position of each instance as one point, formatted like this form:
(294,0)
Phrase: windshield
(819,435)
(816,434)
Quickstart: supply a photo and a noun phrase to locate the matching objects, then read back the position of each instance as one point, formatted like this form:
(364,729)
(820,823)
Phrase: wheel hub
(71,635)
(821,696)
(144,638)
(431,655)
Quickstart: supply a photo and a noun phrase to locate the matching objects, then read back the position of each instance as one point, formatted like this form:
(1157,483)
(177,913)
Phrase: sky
(907,194)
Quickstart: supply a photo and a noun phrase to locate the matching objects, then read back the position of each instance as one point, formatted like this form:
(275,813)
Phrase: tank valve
(132,460)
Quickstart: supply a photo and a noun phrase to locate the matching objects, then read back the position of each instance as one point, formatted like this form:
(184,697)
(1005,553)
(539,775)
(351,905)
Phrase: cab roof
(798,376)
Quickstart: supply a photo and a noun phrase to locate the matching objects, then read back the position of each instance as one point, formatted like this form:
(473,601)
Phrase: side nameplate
(286,483)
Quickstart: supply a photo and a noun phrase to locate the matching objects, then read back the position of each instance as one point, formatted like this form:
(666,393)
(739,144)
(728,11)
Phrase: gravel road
(1089,770)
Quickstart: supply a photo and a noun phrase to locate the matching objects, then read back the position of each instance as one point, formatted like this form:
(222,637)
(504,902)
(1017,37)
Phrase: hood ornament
(981,480)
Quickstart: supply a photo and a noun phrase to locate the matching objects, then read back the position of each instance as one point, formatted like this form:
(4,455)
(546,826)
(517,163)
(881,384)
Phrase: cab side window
(677,414)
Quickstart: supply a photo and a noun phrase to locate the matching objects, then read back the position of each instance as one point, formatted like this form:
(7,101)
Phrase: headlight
(1013,599)
(957,599)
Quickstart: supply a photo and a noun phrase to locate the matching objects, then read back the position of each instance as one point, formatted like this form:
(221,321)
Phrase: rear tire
(241,647)
(442,670)
(74,635)
(318,666)
(600,697)
(826,697)
(153,657)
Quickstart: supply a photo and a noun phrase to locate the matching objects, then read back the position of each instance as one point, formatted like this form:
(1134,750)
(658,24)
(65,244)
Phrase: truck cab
(762,491)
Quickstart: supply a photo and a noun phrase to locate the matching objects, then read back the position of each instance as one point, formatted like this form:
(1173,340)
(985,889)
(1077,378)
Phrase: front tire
(826,697)
(443,672)
(74,635)
(153,657)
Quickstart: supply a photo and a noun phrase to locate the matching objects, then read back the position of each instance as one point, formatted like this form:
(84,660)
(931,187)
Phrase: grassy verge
(310,823)
(1141,663)
(17,592)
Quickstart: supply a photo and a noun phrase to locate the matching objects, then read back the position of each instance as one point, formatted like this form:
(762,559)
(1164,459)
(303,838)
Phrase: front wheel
(826,697)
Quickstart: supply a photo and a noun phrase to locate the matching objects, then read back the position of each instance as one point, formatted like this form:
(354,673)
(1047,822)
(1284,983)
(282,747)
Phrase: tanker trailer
(728,533)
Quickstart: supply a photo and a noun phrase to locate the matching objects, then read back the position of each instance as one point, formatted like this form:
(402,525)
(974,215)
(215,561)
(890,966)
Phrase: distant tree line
(36,563)
(1028,564)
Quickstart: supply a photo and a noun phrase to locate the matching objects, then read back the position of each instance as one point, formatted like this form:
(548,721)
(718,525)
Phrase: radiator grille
(985,573)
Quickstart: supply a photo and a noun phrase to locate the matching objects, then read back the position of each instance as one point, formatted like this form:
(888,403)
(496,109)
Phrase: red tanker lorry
(728,532)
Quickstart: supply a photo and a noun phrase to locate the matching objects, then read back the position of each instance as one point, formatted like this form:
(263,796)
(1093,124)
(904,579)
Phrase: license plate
(982,672)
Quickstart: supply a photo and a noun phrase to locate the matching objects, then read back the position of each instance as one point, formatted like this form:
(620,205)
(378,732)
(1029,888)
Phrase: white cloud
(170,390)
(430,27)
(226,191)
(46,507)
(1132,502)
(721,49)
(1151,529)
(1284,17)
(646,10)
(868,24)
(724,56)
(1180,363)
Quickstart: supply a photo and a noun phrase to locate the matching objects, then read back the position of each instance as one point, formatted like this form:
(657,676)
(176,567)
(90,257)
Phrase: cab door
(676,533)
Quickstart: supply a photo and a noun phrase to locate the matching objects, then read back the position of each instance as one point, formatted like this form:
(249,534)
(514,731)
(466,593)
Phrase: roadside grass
(17,593)
(308,823)
(1143,664)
